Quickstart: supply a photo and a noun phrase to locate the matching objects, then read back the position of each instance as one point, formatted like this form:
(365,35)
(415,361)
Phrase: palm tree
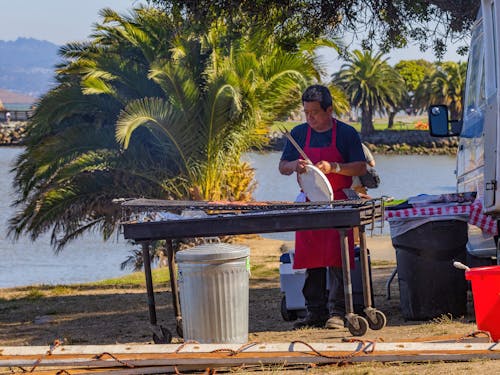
(148,108)
(448,84)
(371,85)
(444,86)
(340,101)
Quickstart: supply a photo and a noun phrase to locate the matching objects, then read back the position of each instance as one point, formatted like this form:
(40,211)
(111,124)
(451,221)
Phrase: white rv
(478,162)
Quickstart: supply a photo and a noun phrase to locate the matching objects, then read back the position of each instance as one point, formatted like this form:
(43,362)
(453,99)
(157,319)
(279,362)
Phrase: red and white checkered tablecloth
(485,222)
(473,210)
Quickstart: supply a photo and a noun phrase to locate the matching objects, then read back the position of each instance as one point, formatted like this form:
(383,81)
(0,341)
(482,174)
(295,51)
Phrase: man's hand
(288,167)
(325,167)
(301,166)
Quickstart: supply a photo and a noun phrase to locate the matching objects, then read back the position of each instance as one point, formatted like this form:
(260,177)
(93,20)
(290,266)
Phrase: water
(18,106)
(401,176)
(25,262)
(89,258)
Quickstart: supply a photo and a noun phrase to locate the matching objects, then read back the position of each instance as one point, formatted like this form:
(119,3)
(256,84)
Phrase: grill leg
(346,272)
(356,324)
(149,282)
(161,335)
(365,271)
(376,319)
(173,286)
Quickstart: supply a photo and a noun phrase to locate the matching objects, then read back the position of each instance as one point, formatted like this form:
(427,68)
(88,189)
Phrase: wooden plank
(290,347)
(202,363)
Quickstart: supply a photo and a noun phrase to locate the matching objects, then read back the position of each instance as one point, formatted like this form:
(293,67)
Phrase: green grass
(135,279)
(60,290)
(394,202)
(382,263)
(262,271)
(378,124)
(132,280)
(160,275)
(34,294)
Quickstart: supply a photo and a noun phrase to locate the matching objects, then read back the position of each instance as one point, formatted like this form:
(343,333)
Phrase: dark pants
(323,299)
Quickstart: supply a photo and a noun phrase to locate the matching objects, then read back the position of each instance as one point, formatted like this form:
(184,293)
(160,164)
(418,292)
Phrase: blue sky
(58,21)
(61,21)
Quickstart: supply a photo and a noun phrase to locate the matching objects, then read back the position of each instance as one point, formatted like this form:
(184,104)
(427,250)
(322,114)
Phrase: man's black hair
(318,93)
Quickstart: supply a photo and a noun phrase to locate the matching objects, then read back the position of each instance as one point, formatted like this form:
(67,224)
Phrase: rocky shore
(397,142)
(12,133)
(416,142)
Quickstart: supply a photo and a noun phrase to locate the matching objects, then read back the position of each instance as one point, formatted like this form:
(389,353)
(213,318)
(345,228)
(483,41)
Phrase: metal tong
(287,134)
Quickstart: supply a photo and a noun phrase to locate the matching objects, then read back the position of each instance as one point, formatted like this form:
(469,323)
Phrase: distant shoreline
(393,142)
(388,142)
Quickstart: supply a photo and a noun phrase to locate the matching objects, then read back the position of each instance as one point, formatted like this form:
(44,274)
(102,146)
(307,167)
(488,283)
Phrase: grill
(146,220)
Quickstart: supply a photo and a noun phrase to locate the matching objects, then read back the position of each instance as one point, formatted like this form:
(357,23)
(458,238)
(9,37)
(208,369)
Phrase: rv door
(488,95)
(471,149)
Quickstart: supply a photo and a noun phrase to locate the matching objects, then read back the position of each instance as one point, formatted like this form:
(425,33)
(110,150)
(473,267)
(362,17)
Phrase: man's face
(317,117)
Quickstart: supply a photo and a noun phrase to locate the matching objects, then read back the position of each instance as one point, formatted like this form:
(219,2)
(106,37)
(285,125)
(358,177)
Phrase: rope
(54,345)
(476,334)
(364,346)
(13,371)
(177,372)
(237,351)
(184,344)
(361,349)
(99,356)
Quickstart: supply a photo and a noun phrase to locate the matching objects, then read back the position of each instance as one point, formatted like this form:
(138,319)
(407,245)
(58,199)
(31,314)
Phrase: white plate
(315,184)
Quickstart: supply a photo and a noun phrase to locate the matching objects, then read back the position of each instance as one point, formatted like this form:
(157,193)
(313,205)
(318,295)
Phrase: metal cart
(255,217)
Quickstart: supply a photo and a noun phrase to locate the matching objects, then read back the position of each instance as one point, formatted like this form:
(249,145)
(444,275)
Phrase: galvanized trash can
(213,286)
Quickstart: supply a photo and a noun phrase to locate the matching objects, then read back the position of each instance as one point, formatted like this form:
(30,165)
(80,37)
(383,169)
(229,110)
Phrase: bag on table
(371,179)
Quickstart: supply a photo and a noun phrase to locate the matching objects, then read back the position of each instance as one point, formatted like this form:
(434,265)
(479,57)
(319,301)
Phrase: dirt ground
(90,315)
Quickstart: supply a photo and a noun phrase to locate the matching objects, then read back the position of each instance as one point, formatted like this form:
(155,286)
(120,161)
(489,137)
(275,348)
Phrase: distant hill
(7,96)
(27,66)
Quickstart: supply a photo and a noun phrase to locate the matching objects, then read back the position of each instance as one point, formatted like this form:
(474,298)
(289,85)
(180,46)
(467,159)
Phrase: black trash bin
(429,285)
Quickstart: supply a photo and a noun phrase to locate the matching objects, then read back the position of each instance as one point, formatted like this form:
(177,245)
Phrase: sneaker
(335,322)
(311,320)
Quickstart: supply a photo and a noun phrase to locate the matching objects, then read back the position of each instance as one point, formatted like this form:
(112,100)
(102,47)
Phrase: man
(335,148)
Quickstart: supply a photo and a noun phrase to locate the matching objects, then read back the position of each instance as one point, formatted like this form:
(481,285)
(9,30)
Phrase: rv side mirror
(439,125)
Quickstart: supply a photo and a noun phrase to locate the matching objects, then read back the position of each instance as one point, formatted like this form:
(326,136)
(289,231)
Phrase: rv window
(475,99)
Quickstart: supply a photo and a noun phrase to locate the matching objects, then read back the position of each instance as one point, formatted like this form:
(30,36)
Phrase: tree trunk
(454,112)
(390,123)
(367,122)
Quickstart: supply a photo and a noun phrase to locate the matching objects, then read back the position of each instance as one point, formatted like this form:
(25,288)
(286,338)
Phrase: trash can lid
(212,251)
(482,271)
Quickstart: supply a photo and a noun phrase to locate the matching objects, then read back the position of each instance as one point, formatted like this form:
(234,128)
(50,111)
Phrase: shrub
(420,125)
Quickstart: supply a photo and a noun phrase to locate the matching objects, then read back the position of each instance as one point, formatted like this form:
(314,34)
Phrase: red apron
(321,247)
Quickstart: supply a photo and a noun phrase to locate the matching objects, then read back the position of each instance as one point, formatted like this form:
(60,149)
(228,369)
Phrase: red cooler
(486,291)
